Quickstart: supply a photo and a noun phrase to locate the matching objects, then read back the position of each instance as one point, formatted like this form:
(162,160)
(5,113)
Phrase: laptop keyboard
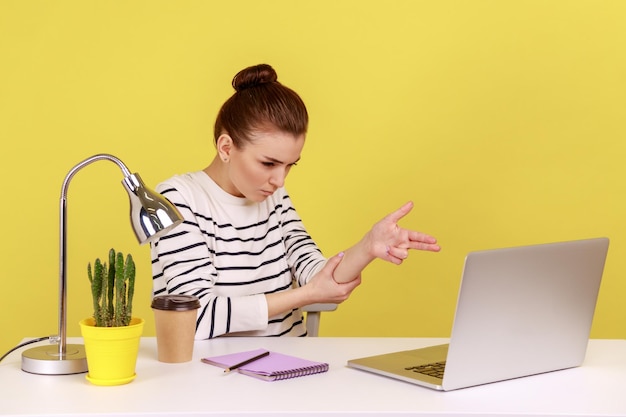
(431,369)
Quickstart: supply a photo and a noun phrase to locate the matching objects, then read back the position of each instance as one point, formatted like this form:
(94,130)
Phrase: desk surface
(194,388)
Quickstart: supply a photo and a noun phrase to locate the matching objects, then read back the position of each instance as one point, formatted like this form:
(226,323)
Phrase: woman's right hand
(324,289)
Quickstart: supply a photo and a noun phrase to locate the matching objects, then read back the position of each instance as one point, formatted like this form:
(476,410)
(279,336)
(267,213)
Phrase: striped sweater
(229,252)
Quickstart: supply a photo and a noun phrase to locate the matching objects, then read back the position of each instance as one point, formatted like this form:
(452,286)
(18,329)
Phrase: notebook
(273,367)
(521,311)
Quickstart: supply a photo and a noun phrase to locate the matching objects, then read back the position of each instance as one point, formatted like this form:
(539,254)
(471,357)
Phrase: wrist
(303,296)
(366,248)
(284,301)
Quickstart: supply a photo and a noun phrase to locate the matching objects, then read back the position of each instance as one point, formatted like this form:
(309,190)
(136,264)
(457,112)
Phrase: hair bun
(254,76)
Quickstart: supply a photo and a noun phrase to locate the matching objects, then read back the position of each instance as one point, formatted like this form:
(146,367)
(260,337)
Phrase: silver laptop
(521,311)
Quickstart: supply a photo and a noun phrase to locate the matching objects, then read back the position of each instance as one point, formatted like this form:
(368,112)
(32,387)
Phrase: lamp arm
(91,159)
(62,338)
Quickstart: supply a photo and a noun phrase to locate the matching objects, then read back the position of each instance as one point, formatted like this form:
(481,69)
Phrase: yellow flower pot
(111,351)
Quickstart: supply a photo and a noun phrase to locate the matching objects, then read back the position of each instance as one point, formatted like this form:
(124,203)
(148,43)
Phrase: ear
(224,146)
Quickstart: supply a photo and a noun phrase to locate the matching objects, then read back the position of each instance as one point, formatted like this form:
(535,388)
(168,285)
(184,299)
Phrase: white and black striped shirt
(229,252)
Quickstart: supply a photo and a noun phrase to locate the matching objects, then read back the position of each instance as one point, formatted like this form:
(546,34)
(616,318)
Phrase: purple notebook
(272,367)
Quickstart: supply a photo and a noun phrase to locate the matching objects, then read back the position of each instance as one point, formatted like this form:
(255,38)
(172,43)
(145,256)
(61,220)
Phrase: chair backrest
(313,316)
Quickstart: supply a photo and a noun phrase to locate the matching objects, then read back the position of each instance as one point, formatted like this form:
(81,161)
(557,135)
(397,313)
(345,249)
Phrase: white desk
(597,388)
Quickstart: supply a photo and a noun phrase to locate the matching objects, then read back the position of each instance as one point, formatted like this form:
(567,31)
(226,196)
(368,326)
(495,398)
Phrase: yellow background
(502,120)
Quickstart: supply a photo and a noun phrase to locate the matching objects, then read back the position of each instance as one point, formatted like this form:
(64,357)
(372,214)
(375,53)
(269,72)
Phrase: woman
(243,249)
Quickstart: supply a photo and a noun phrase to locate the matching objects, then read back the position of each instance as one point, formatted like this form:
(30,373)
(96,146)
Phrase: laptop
(521,311)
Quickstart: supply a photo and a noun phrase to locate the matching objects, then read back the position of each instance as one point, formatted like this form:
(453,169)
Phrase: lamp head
(151,214)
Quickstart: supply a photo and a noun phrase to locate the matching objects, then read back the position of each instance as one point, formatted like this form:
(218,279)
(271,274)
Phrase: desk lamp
(151,216)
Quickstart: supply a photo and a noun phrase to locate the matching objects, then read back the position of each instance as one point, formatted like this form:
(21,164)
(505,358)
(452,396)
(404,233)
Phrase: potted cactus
(112,290)
(112,331)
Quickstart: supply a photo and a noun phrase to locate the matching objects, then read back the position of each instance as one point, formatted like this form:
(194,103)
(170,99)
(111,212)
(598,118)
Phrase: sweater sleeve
(182,264)
(303,255)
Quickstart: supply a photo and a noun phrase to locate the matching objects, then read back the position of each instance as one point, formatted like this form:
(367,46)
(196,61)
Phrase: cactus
(111,283)
(112,290)
(96,289)
(129,276)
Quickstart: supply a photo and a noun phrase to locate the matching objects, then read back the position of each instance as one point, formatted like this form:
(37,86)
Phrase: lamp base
(46,360)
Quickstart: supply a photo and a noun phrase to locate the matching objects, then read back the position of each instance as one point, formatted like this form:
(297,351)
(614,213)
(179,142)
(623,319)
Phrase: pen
(247,361)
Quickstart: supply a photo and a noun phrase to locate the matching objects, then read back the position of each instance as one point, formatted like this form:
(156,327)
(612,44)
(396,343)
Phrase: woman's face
(260,167)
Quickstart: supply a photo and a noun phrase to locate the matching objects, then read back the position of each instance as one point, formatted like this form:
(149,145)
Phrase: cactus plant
(112,289)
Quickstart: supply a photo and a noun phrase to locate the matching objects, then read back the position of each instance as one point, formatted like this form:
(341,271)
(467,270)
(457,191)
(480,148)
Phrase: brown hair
(260,102)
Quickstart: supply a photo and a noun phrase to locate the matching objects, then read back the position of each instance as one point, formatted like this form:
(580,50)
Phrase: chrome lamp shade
(151,216)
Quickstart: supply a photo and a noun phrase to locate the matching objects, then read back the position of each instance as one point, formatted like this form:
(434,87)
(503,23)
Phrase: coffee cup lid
(175,302)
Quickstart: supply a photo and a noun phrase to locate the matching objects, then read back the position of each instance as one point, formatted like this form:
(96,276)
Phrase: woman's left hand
(390,242)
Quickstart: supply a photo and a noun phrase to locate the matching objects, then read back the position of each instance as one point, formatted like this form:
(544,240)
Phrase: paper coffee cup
(175,322)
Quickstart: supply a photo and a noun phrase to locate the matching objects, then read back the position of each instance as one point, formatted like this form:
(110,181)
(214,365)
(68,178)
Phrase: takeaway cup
(175,322)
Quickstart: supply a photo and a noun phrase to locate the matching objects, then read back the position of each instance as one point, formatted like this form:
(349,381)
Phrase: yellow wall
(502,120)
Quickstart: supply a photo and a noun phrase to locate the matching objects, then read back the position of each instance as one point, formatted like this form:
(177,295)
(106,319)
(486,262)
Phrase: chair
(313,316)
